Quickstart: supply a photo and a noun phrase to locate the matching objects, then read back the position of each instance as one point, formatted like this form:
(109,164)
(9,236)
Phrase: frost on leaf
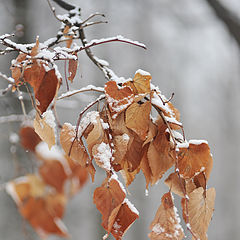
(118,98)
(45,128)
(200,210)
(73,147)
(138,118)
(42,209)
(166,224)
(194,159)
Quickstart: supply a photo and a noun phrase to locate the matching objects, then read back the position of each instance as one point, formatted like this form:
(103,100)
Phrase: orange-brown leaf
(73,146)
(28,138)
(107,197)
(118,98)
(140,83)
(165,225)
(72,68)
(200,210)
(158,156)
(121,219)
(194,159)
(45,128)
(138,118)
(53,174)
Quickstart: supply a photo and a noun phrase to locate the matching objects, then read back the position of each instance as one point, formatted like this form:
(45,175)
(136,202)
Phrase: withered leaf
(29,138)
(158,156)
(138,118)
(45,128)
(200,210)
(166,224)
(73,146)
(118,98)
(194,159)
(140,83)
(72,68)
(121,219)
(107,197)
(53,174)
(41,209)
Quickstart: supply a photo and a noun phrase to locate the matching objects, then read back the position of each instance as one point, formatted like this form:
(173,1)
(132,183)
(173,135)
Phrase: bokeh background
(190,52)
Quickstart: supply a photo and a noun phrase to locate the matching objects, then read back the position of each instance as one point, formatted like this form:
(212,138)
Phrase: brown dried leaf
(138,118)
(140,83)
(96,136)
(158,156)
(200,210)
(43,210)
(120,148)
(145,166)
(72,68)
(78,177)
(44,214)
(45,128)
(73,146)
(107,197)
(28,138)
(70,38)
(129,176)
(175,184)
(194,159)
(166,224)
(121,218)
(53,174)
(118,98)
(134,153)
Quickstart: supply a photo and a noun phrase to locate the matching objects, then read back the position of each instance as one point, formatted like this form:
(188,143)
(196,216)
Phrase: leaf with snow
(72,68)
(107,197)
(194,159)
(166,224)
(102,154)
(140,83)
(121,218)
(118,98)
(45,127)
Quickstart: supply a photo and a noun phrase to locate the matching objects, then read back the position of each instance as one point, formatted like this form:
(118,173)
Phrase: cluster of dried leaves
(135,128)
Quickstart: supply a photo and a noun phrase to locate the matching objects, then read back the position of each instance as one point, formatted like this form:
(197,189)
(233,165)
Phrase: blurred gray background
(190,52)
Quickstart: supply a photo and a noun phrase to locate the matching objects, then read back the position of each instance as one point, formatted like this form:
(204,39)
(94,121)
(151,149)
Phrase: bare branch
(231,21)
(64,5)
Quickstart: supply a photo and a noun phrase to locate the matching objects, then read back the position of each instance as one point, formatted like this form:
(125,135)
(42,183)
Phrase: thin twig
(93,88)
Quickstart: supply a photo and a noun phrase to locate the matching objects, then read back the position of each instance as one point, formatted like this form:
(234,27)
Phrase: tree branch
(64,5)
(231,21)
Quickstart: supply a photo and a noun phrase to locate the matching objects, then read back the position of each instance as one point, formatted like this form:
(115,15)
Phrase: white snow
(197,142)
(115,177)
(54,154)
(104,155)
(13,138)
(49,119)
(142,72)
(84,89)
(158,229)
(131,206)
